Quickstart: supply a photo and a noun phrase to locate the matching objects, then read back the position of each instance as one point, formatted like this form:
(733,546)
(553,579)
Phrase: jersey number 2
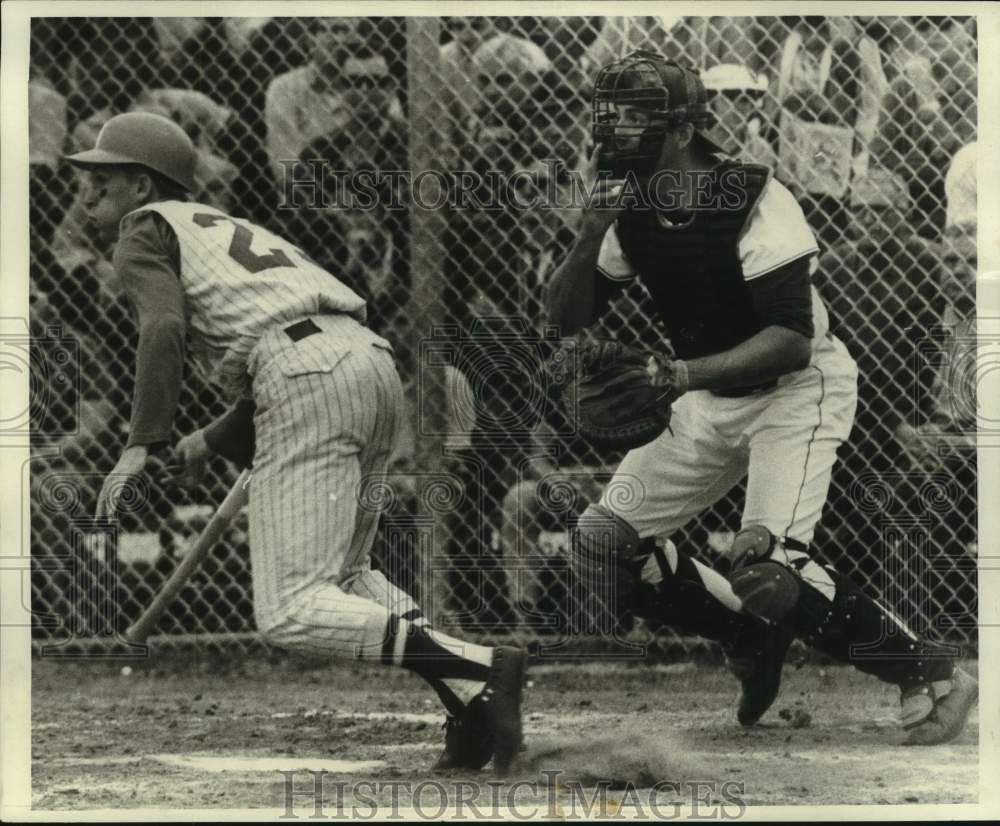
(239,247)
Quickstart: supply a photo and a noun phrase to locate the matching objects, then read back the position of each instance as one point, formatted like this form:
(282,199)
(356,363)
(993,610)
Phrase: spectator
(506,68)
(930,111)
(557,137)
(828,92)
(365,244)
(736,96)
(882,288)
(240,31)
(48,180)
(46,122)
(960,189)
(372,100)
(538,512)
(308,102)
(954,402)
(557,119)
(458,78)
(214,178)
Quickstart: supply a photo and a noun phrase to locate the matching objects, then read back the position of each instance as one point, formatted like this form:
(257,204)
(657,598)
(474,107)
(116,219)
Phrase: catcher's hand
(623,396)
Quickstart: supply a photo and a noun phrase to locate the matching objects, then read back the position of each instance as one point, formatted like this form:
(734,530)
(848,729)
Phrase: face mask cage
(638,80)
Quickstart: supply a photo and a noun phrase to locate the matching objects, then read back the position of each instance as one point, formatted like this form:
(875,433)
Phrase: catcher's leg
(656,489)
(792,452)
(681,593)
(777,581)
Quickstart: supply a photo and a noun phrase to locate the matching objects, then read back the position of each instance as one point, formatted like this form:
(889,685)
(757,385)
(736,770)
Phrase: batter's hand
(125,477)
(604,198)
(189,461)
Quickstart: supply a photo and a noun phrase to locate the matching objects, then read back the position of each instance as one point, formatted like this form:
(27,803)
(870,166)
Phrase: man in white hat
(736,94)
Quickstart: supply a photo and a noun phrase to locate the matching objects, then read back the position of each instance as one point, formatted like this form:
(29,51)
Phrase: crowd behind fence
(870,121)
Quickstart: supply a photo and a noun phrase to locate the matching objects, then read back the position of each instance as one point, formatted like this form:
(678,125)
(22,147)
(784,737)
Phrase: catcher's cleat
(755,658)
(468,743)
(499,703)
(936,712)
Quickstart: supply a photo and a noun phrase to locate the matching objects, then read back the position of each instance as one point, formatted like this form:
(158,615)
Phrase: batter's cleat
(755,658)
(936,712)
(500,705)
(468,743)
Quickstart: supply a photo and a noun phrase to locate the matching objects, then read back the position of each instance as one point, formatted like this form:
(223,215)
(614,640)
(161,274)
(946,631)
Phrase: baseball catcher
(759,390)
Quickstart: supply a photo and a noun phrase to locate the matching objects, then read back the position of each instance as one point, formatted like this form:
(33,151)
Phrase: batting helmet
(144,139)
(671,93)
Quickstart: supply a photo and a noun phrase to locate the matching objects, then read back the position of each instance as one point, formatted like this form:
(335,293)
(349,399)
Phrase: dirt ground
(211,737)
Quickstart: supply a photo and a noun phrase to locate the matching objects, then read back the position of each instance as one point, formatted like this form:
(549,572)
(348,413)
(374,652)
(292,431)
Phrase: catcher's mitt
(622,396)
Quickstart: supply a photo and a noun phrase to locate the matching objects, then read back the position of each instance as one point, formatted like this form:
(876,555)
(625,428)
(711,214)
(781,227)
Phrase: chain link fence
(871,122)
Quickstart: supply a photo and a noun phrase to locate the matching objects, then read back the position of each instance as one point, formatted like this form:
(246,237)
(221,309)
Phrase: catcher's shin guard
(604,584)
(754,649)
(852,627)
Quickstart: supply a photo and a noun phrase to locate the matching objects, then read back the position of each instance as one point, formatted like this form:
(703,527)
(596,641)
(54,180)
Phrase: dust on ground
(235,737)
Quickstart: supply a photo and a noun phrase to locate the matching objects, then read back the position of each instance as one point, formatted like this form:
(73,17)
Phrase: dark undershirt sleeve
(606,290)
(232,435)
(147,260)
(783,297)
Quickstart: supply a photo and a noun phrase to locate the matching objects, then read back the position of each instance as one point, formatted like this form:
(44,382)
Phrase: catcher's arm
(235,499)
(783,303)
(572,302)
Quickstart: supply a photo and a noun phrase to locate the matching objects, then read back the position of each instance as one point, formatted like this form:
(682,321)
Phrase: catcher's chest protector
(693,272)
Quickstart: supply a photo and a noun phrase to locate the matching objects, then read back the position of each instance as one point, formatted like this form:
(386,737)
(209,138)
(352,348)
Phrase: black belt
(740,392)
(302,329)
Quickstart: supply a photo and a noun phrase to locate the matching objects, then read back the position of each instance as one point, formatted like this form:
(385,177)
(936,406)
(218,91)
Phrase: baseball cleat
(755,659)
(468,743)
(500,704)
(936,712)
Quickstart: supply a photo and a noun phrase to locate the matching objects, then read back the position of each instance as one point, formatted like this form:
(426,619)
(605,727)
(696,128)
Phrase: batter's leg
(320,429)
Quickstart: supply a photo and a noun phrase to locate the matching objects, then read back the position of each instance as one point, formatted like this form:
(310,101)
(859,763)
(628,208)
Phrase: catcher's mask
(669,93)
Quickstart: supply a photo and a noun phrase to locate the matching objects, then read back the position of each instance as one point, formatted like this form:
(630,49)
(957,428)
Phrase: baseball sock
(810,571)
(462,667)
(454,694)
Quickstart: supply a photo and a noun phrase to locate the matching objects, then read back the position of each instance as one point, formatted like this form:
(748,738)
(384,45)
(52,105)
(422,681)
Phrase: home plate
(200,762)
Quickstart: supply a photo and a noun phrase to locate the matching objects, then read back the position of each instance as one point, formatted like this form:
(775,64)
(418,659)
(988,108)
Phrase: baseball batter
(761,390)
(317,408)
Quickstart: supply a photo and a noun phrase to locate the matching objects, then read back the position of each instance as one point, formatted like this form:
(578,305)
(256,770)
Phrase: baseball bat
(140,630)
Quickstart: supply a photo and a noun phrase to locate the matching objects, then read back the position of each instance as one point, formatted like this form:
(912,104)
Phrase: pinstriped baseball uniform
(239,280)
(327,414)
